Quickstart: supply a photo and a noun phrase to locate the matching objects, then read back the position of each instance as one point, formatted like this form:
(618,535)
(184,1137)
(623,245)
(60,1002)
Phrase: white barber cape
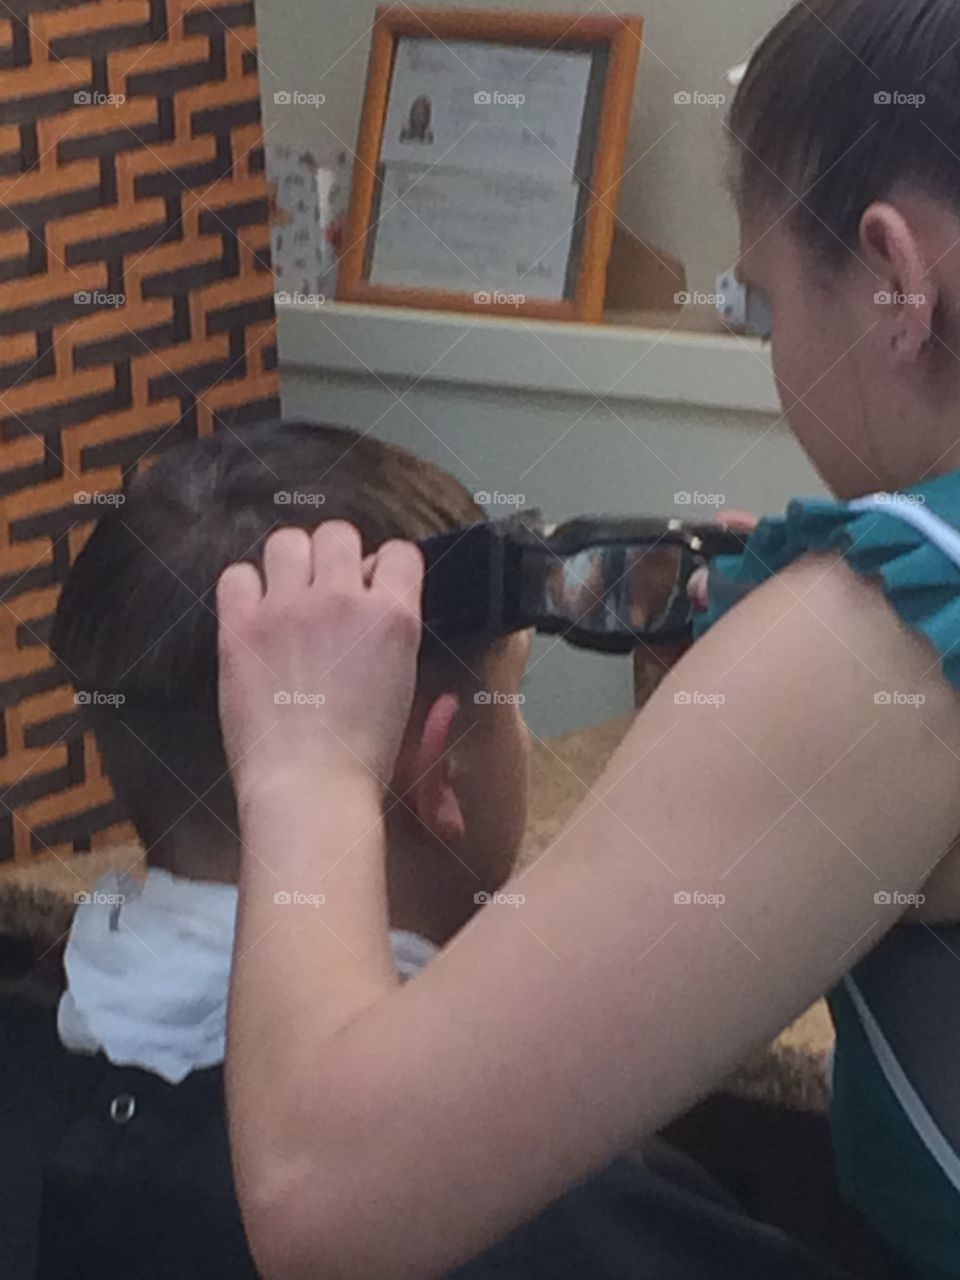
(148,971)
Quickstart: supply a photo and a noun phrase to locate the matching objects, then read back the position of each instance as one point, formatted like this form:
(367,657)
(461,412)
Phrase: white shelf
(616,362)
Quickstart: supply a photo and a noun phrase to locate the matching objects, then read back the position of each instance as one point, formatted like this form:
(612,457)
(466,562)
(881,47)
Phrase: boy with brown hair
(141,1184)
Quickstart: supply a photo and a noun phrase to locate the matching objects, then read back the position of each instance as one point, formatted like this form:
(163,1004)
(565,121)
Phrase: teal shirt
(895,1109)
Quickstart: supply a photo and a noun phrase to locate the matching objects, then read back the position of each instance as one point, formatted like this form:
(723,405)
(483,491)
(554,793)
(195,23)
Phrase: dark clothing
(660,1219)
(896,1094)
(141,1185)
(121,1176)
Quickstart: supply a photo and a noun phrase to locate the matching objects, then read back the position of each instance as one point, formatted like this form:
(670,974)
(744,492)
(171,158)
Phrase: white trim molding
(615,362)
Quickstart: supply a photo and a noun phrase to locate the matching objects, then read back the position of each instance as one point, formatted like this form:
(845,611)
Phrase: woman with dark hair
(403,1130)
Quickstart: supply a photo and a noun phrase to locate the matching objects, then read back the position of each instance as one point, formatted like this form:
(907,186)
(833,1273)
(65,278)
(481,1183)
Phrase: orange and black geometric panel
(136,310)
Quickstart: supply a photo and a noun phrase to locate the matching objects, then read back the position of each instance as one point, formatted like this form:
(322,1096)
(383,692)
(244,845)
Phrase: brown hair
(842,100)
(137,614)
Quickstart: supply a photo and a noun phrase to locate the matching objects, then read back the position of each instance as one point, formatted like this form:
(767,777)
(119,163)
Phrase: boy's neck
(431,893)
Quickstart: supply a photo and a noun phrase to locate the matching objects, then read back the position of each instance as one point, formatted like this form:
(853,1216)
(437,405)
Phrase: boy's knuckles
(346,605)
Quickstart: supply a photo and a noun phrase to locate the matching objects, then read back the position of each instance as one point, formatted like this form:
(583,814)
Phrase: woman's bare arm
(549,1036)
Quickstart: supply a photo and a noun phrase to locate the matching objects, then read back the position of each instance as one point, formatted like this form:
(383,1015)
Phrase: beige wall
(673,195)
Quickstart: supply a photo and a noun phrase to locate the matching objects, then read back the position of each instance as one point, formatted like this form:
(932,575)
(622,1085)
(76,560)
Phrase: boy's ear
(426,771)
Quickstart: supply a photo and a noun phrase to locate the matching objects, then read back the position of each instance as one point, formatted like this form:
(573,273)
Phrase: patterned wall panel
(136,309)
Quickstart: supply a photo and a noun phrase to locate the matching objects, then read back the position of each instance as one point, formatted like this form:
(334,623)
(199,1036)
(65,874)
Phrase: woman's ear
(429,771)
(906,290)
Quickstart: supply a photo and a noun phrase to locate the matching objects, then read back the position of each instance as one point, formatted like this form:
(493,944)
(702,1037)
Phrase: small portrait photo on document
(417,128)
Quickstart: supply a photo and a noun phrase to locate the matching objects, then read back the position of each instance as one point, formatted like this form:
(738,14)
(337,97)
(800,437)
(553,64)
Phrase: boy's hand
(318,657)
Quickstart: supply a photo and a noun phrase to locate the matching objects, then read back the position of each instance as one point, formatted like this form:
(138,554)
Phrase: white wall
(673,196)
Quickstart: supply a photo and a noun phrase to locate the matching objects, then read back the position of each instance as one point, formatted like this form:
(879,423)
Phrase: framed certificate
(489,159)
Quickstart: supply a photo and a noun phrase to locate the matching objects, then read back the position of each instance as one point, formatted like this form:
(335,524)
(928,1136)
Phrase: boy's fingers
(287,563)
(399,570)
(337,554)
(239,592)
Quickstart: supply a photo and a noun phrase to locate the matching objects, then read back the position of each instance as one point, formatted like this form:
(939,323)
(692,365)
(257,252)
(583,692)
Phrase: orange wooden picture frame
(622,36)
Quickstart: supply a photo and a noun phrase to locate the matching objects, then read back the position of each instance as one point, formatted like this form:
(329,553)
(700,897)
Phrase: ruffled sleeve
(903,541)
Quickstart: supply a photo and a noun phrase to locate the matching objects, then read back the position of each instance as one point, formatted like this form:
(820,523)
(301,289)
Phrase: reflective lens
(613,589)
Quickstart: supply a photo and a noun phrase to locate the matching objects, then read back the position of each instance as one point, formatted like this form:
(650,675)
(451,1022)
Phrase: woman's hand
(698,588)
(318,656)
(653,660)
